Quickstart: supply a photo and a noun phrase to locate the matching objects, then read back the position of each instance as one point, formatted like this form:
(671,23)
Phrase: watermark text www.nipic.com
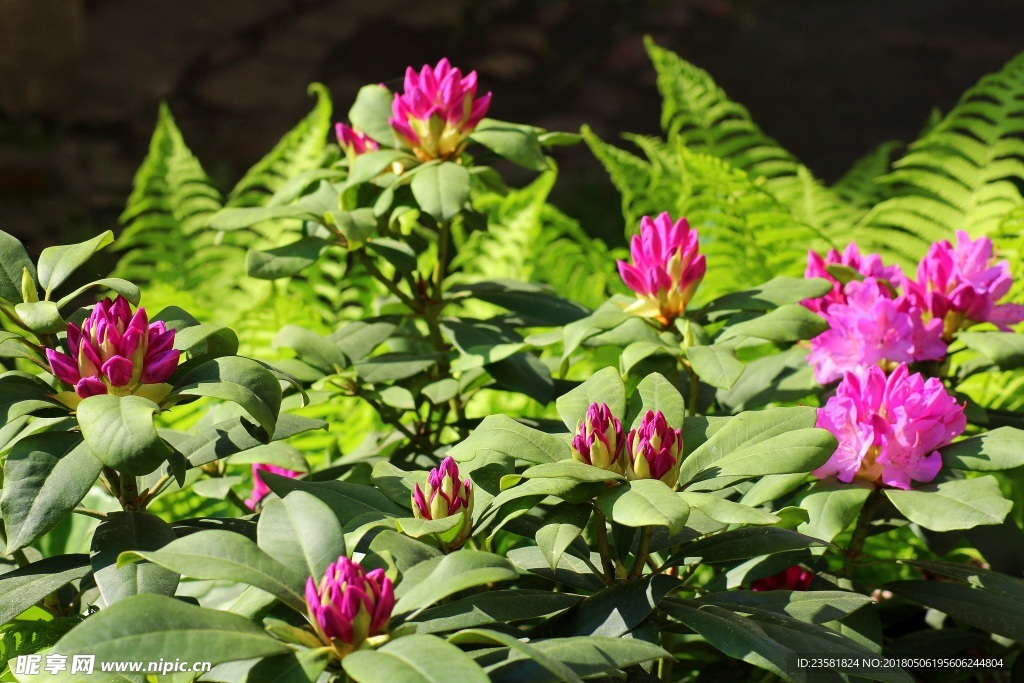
(86,664)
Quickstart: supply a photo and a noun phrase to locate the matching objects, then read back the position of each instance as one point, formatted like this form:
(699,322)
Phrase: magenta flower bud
(961,285)
(349,605)
(354,141)
(115,352)
(259,488)
(599,440)
(437,111)
(868,265)
(795,578)
(666,268)
(872,329)
(655,450)
(446,495)
(889,427)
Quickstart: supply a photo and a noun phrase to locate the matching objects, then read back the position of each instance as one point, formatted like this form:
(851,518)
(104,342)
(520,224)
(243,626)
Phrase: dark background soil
(80,80)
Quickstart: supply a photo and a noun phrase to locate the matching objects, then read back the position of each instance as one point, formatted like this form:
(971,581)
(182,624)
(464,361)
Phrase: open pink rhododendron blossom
(796,578)
(961,285)
(873,329)
(437,111)
(889,427)
(655,450)
(354,141)
(260,489)
(868,265)
(349,604)
(599,440)
(115,352)
(666,270)
(447,494)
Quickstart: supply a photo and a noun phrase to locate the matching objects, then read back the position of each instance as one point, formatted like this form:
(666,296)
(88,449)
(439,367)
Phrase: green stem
(601,531)
(667,665)
(642,552)
(129,490)
(863,528)
(384,280)
(238,502)
(95,514)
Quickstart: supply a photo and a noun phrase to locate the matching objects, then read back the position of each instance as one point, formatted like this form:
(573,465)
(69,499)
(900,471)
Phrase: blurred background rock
(80,80)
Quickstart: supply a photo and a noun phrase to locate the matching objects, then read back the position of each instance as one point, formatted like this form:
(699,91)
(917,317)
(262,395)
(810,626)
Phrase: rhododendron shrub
(425,469)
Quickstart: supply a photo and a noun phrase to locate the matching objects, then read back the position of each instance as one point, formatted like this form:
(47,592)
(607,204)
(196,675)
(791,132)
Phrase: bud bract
(447,494)
(115,352)
(599,440)
(349,604)
(354,141)
(655,450)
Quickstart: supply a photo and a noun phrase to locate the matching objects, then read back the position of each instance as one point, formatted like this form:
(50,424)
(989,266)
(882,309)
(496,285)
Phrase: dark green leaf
(124,531)
(645,502)
(604,386)
(441,190)
(56,264)
(999,449)
(301,532)
(417,658)
(286,261)
(119,430)
(23,587)
(955,504)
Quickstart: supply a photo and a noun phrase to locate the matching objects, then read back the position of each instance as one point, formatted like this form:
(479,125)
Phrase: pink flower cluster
(666,270)
(889,428)
(260,489)
(796,578)
(349,604)
(115,352)
(354,141)
(447,494)
(599,439)
(437,111)
(887,318)
(655,450)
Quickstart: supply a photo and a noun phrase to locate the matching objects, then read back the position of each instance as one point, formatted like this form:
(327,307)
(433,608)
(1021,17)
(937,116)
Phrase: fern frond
(861,185)
(171,200)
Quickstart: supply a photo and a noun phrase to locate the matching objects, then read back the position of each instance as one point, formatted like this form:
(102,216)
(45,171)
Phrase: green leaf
(56,264)
(143,626)
(41,317)
(502,434)
(123,287)
(303,666)
(801,450)
(536,301)
(585,655)
(1005,349)
(790,322)
(999,449)
(743,544)
(119,430)
(121,532)
(369,165)
(349,501)
(777,292)
(23,587)
(570,469)
(359,338)
(572,571)
(286,261)
(446,528)
(357,226)
(455,572)
(237,379)
(744,431)
(814,607)
(613,611)
(225,555)
(726,511)
(655,393)
(563,525)
(45,476)
(399,254)
(832,507)
(370,113)
(955,504)
(320,352)
(391,367)
(990,610)
(481,343)
(441,190)
(517,144)
(645,502)
(441,391)
(493,607)
(604,386)
(716,365)
(417,658)
(301,532)
(488,637)
(13,261)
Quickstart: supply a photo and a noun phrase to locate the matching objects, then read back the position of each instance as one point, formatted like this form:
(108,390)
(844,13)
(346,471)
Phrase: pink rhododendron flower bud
(447,494)
(666,268)
(868,265)
(599,440)
(354,141)
(795,578)
(889,427)
(960,286)
(437,111)
(655,450)
(349,604)
(871,328)
(260,489)
(116,352)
